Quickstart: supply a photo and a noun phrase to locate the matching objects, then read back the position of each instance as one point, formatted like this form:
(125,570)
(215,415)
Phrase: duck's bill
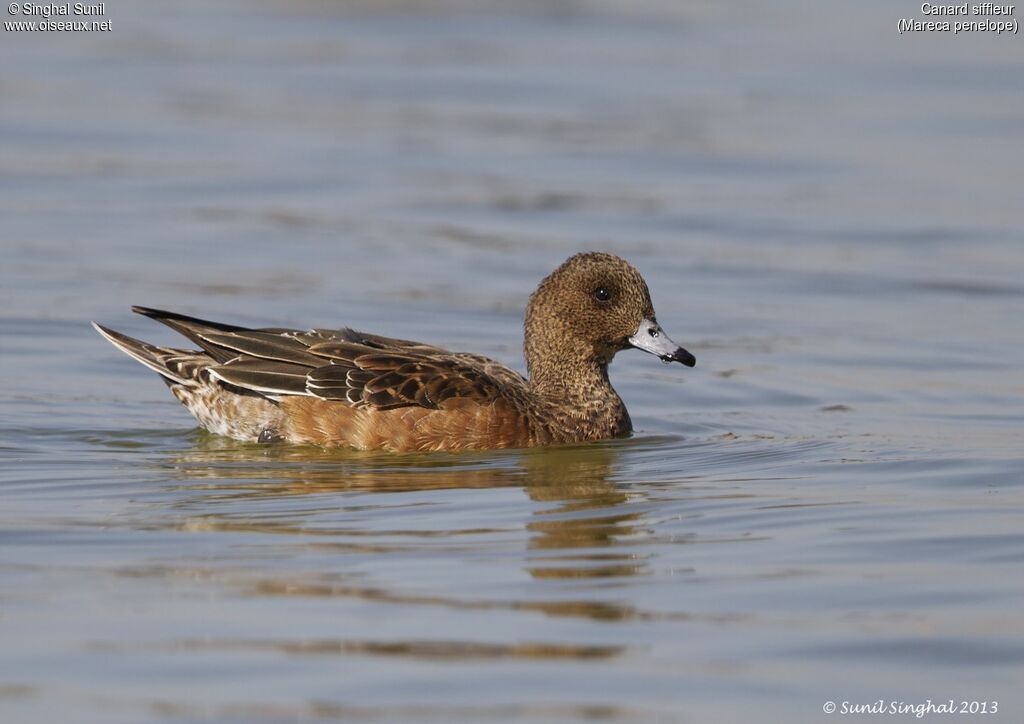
(650,338)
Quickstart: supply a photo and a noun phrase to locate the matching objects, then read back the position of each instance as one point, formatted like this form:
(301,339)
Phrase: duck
(345,388)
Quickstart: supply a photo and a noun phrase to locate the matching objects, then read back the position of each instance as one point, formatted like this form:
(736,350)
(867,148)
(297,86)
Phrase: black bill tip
(681,356)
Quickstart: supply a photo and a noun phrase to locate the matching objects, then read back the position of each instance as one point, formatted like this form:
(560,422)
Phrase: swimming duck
(347,388)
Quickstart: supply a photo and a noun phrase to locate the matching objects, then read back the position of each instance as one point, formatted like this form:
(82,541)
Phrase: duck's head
(591,307)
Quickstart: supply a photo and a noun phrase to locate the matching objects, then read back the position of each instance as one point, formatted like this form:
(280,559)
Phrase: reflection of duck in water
(347,388)
(567,473)
(576,537)
(581,537)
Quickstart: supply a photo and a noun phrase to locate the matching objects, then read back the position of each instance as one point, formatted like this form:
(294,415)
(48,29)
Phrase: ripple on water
(830,503)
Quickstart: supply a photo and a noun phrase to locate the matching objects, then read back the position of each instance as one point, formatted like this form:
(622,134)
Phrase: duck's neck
(578,396)
(579,381)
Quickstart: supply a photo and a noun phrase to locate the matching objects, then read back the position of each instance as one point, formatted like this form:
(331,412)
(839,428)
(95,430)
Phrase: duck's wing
(345,365)
(391,378)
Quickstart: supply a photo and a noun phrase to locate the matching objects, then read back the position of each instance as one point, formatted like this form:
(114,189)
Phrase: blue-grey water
(830,507)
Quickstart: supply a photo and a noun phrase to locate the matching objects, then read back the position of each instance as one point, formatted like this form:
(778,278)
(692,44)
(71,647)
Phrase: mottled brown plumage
(349,388)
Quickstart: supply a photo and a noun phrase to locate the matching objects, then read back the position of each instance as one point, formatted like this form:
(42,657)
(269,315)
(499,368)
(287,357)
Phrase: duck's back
(341,388)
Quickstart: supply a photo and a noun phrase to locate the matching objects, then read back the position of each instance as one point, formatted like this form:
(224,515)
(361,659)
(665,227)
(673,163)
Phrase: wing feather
(261,375)
(265,345)
(345,365)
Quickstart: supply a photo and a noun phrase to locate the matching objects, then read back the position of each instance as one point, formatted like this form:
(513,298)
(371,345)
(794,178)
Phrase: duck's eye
(602,295)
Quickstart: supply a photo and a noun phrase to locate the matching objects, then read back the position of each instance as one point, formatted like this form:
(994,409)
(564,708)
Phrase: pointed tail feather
(148,354)
(195,329)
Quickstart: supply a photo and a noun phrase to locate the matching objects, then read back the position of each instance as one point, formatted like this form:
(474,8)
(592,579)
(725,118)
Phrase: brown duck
(348,388)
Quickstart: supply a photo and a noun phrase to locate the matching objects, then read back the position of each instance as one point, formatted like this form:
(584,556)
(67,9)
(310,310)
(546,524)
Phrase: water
(829,507)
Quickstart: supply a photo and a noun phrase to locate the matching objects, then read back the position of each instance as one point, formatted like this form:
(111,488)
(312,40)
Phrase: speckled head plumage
(588,309)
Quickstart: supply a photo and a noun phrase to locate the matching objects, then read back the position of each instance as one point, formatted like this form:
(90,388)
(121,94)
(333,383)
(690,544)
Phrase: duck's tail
(175,366)
(221,409)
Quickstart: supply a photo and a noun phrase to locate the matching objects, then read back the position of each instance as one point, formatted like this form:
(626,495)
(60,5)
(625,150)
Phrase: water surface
(829,507)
